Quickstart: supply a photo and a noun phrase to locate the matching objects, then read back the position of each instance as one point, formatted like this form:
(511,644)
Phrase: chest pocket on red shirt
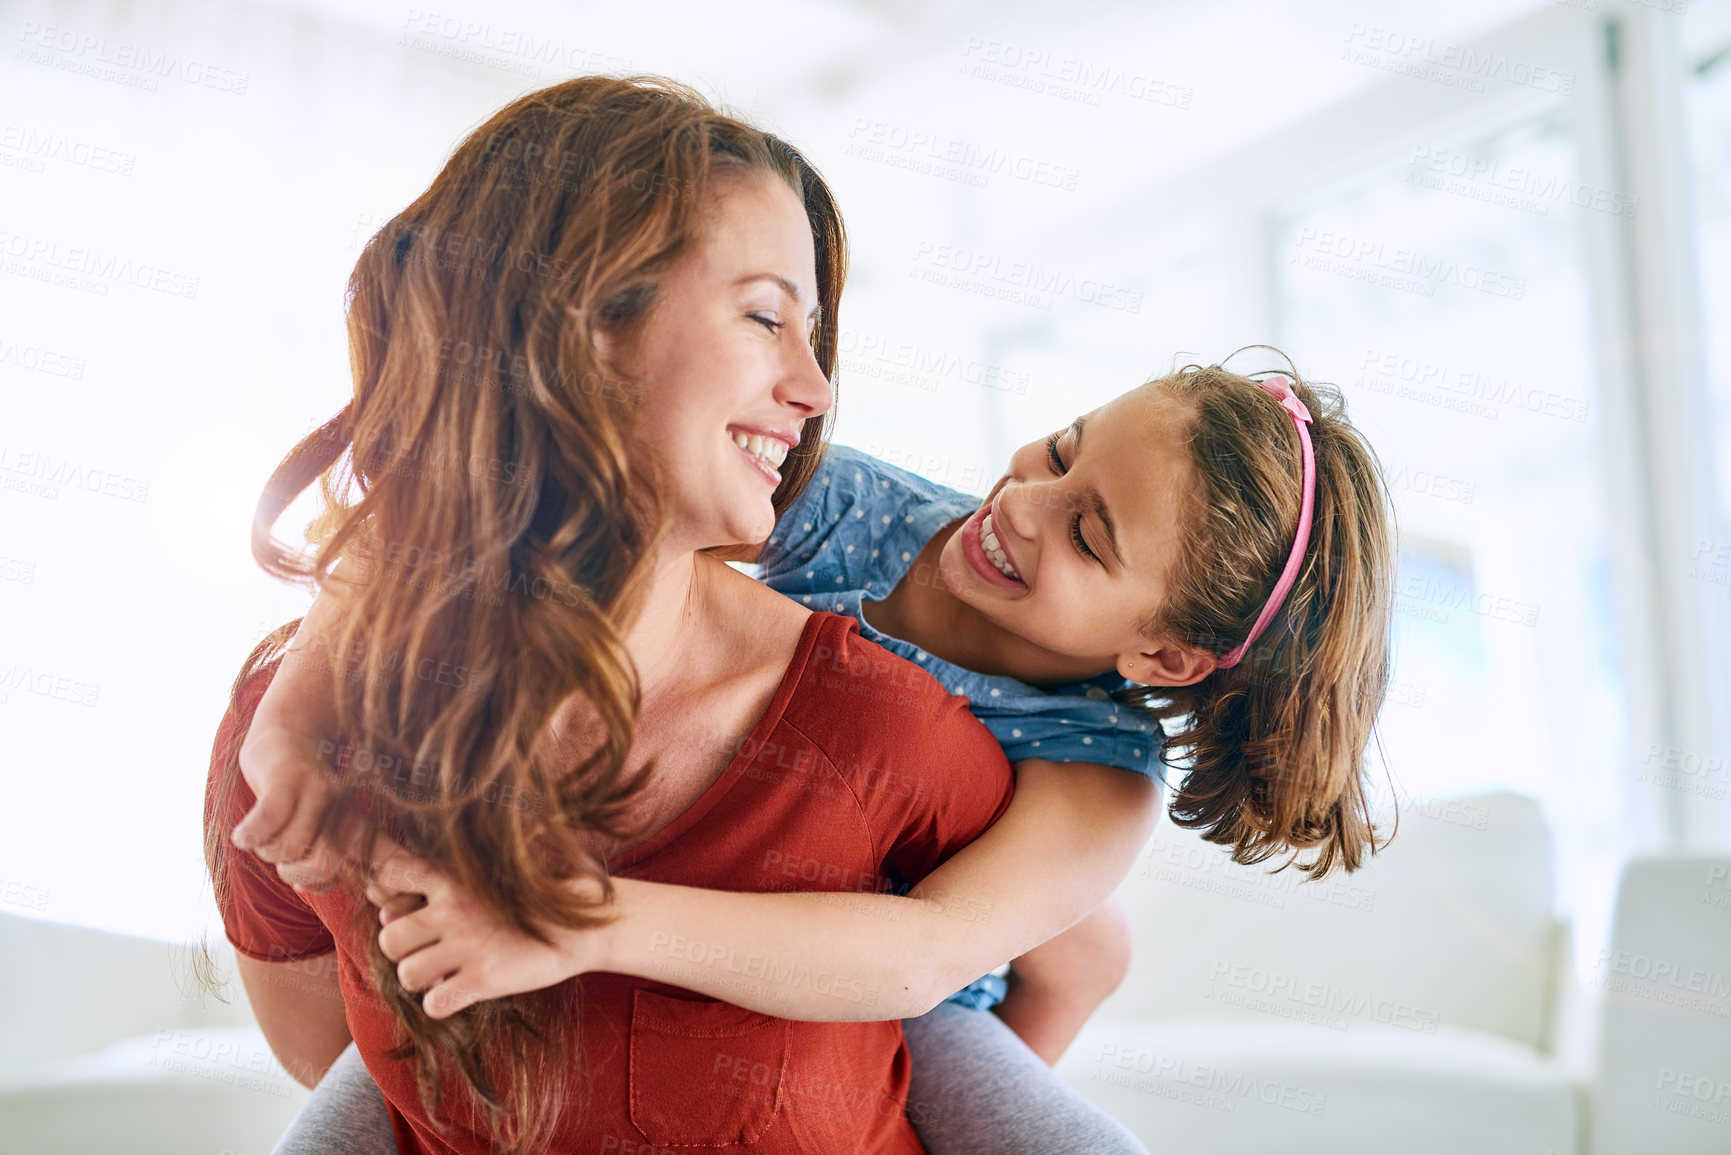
(704,1073)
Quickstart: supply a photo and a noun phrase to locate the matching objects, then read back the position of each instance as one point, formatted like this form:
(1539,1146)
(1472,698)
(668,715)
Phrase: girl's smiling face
(1073,549)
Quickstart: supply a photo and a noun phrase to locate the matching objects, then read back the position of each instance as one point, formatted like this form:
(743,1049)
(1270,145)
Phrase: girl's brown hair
(503,531)
(1273,748)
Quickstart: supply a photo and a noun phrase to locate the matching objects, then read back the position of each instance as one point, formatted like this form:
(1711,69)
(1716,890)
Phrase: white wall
(1170,153)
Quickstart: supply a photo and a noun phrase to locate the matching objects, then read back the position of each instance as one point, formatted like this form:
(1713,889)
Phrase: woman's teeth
(766,449)
(995,552)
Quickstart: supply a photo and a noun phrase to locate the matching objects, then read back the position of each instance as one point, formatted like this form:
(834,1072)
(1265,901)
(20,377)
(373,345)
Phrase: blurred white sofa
(1409,1007)
(1662,1058)
(106,1047)
(1413,1007)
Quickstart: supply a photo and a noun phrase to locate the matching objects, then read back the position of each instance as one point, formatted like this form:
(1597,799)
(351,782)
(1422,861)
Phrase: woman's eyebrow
(785,285)
(1091,496)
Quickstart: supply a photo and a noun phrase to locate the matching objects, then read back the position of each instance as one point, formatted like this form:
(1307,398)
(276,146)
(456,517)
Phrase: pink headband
(1281,389)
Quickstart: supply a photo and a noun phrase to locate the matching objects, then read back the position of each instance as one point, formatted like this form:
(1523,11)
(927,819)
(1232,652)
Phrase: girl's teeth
(995,551)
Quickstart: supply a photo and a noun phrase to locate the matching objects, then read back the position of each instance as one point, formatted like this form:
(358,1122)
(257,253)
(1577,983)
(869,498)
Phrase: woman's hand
(451,947)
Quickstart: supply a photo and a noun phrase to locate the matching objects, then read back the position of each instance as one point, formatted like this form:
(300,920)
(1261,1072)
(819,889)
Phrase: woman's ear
(1167,665)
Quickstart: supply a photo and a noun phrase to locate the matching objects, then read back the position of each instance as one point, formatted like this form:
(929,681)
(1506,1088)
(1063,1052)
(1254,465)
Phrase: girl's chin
(966,585)
(953,570)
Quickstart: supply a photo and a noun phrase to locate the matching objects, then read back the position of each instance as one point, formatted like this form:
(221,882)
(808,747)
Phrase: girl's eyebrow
(1091,496)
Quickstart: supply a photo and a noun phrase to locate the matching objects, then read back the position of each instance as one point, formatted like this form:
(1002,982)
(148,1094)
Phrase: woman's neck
(699,620)
(675,620)
(923,611)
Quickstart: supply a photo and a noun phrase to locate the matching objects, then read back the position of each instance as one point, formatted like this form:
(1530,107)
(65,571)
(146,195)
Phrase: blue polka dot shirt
(853,535)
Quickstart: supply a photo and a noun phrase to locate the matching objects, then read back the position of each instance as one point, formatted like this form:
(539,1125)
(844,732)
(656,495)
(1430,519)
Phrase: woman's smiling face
(724,357)
(1073,548)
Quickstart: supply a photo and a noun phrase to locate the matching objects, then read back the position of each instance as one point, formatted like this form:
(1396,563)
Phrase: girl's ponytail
(1273,747)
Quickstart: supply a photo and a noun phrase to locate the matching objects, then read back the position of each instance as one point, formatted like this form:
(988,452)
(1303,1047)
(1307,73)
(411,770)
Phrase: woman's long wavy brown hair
(503,531)
(1273,749)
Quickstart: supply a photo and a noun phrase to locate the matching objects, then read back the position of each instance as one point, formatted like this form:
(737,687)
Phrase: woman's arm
(300,1010)
(1066,841)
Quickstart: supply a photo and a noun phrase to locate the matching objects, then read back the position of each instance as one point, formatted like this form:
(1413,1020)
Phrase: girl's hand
(286,752)
(283,770)
(449,946)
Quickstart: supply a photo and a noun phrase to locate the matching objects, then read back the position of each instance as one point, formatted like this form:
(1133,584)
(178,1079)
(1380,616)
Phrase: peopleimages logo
(37,359)
(1072,78)
(1273,992)
(1421,596)
(89,269)
(1228,1087)
(921,366)
(1411,269)
(34,149)
(934,153)
(1514,186)
(122,61)
(1020,281)
(517,50)
(1463,387)
(1456,65)
(1666,981)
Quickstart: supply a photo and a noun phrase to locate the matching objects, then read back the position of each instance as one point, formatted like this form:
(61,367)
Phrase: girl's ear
(1167,665)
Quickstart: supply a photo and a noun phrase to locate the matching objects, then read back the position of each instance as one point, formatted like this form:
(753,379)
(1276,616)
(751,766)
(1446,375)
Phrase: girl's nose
(1019,507)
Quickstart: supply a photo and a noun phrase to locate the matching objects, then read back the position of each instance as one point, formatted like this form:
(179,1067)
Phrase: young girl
(1208,550)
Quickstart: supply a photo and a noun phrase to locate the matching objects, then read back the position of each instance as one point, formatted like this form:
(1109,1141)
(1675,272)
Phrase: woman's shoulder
(924,774)
(856,697)
(1083,721)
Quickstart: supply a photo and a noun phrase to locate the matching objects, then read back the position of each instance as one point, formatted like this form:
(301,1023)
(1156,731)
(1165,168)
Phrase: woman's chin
(733,529)
(751,529)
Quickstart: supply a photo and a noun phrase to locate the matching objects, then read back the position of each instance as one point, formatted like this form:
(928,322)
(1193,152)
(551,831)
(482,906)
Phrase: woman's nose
(804,384)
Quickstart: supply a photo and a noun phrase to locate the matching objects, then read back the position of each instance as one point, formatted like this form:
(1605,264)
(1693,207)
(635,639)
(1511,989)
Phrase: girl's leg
(978,1090)
(345,1116)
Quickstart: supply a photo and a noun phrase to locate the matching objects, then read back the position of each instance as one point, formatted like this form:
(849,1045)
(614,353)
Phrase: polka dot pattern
(855,532)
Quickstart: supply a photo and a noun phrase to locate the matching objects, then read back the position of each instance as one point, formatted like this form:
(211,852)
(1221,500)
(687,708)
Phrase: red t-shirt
(863,773)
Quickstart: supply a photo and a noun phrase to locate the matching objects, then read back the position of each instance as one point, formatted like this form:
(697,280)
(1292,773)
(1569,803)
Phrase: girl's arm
(1052,991)
(286,749)
(1063,844)
(1068,838)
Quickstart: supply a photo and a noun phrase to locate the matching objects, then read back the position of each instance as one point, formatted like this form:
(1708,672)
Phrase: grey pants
(977,1090)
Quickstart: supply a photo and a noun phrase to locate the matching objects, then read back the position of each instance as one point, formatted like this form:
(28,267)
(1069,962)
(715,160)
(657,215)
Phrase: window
(1443,294)
(1708,88)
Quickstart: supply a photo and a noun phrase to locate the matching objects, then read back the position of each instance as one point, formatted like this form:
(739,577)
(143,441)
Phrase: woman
(554,350)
